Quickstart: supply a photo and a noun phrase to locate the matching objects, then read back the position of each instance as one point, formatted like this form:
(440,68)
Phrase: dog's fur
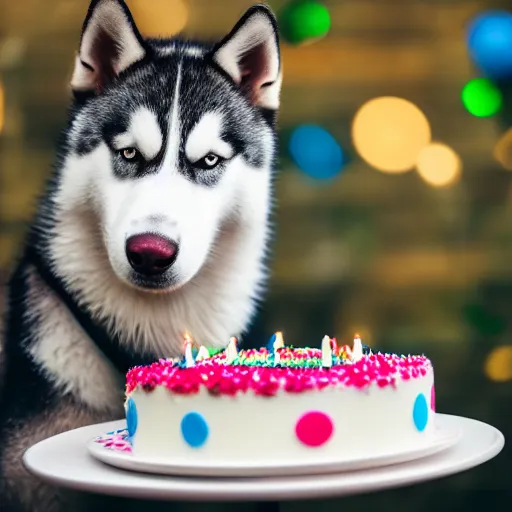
(174,102)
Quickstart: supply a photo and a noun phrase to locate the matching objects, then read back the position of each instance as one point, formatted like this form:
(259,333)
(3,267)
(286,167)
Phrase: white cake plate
(326,462)
(63,461)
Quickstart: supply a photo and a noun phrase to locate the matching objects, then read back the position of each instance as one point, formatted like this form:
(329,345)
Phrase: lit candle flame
(326,352)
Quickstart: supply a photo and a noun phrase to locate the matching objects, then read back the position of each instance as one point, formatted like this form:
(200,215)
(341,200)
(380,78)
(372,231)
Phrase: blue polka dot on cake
(131,416)
(194,429)
(420,412)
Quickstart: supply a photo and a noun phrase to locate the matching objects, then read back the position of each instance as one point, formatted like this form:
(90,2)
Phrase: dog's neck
(119,355)
(216,304)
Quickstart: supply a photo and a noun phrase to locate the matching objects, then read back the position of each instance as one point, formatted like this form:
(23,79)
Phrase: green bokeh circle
(481,97)
(303,20)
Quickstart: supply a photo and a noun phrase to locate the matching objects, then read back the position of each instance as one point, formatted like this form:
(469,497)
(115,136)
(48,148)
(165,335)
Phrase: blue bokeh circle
(316,152)
(489,39)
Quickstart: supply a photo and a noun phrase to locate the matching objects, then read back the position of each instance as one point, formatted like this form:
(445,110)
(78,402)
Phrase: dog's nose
(150,254)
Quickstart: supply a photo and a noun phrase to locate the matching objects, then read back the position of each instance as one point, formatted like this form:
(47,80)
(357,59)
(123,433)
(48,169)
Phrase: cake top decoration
(328,355)
(277,367)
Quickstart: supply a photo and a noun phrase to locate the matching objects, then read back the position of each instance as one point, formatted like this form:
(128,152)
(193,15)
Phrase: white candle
(189,358)
(326,352)
(231,351)
(279,342)
(357,349)
(202,353)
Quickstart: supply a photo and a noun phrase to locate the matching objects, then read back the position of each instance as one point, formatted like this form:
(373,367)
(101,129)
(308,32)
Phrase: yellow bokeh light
(439,165)
(2,106)
(389,133)
(164,18)
(503,150)
(498,365)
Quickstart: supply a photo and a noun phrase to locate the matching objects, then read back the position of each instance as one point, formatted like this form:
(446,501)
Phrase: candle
(326,352)
(203,353)
(231,351)
(270,344)
(334,346)
(278,343)
(189,358)
(357,349)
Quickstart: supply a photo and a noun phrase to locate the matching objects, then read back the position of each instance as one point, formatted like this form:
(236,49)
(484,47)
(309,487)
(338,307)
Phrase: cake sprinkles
(284,368)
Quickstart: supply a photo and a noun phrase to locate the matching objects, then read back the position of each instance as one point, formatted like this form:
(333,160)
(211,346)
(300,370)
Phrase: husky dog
(155,222)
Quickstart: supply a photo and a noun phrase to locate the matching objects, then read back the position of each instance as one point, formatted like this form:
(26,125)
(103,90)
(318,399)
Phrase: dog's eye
(130,154)
(210,161)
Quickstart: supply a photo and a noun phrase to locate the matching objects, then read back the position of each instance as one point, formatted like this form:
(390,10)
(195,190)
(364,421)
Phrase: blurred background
(394,188)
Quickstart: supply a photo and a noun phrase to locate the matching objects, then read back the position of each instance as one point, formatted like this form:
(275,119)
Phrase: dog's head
(169,140)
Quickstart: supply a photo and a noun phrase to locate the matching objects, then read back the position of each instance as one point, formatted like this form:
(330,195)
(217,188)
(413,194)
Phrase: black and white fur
(165,137)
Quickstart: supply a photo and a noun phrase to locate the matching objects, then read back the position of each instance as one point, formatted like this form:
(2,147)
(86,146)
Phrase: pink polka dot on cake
(314,428)
(433,398)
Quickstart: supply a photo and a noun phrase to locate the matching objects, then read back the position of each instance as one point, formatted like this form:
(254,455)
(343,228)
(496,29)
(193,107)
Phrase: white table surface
(63,461)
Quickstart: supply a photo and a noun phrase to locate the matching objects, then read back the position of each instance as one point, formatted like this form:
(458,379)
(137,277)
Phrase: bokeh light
(498,365)
(2,106)
(483,320)
(389,132)
(316,152)
(490,43)
(12,51)
(160,18)
(304,20)
(503,150)
(481,97)
(439,165)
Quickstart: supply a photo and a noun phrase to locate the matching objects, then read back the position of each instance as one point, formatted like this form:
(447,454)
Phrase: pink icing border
(224,379)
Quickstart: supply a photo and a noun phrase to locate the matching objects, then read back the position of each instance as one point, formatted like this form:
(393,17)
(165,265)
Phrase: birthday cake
(283,403)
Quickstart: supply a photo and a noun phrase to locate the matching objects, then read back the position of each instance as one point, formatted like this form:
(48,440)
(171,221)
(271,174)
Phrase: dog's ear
(250,55)
(109,44)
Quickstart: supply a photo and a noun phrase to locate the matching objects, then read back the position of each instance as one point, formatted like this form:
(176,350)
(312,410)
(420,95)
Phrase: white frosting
(250,427)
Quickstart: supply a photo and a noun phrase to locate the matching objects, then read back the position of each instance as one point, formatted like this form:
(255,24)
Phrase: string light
(164,18)
(439,165)
(481,97)
(389,133)
(498,365)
